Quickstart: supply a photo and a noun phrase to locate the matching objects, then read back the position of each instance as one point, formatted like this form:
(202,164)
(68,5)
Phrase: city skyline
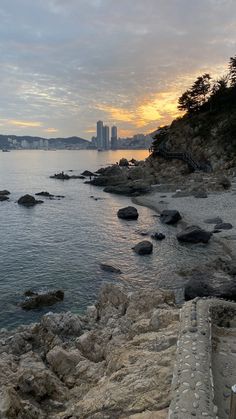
(65,65)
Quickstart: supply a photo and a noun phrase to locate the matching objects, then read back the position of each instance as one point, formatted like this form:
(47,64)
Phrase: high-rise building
(113,137)
(106,137)
(100,135)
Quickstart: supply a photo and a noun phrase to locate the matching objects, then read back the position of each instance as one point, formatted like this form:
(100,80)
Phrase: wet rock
(128,213)
(158,236)
(123,162)
(28,201)
(87,173)
(216,220)
(110,268)
(223,226)
(61,176)
(130,189)
(4,198)
(170,216)
(4,192)
(46,194)
(36,300)
(194,234)
(200,194)
(145,247)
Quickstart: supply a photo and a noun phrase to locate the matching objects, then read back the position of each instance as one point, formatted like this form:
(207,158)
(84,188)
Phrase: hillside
(15,141)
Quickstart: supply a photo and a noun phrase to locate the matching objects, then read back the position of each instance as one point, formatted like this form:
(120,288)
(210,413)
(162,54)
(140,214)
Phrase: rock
(5,192)
(87,173)
(4,198)
(36,300)
(61,176)
(181,194)
(131,189)
(28,201)
(128,213)
(158,236)
(110,268)
(63,362)
(200,194)
(216,220)
(225,182)
(201,285)
(44,193)
(65,324)
(223,226)
(194,234)
(170,216)
(123,162)
(145,247)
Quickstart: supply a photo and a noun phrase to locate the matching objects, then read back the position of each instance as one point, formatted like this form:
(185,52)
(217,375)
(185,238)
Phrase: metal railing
(184,156)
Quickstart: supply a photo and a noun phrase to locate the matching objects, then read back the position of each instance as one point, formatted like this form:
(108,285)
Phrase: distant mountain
(16,141)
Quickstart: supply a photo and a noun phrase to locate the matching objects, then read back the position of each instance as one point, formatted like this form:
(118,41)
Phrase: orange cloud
(51,130)
(18,123)
(117,114)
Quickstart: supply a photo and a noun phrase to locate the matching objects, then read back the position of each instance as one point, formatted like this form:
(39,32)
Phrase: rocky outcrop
(36,299)
(194,234)
(128,213)
(170,216)
(114,362)
(123,162)
(144,247)
(4,192)
(28,201)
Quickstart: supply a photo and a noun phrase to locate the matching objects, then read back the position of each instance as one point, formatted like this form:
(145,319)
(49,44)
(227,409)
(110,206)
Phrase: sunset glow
(66,65)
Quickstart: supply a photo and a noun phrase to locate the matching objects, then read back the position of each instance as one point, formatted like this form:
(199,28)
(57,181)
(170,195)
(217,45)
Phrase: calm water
(60,243)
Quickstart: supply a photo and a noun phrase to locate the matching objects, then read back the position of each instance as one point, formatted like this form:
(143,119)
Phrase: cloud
(67,64)
(27,124)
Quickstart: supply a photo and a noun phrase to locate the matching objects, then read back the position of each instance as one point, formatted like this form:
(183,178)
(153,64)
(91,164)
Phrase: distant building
(106,137)
(114,143)
(100,135)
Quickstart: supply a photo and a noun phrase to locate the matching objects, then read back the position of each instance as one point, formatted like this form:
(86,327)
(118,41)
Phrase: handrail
(184,156)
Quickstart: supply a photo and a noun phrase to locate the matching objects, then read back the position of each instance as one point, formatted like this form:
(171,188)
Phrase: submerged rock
(170,216)
(110,268)
(216,220)
(144,247)
(28,201)
(4,198)
(223,226)
(61,176)
(36,300)
(128,213)
(194,234)
(46,194)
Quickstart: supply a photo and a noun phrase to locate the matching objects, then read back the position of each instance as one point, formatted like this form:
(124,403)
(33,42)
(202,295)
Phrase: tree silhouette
(192,100)
(232,71)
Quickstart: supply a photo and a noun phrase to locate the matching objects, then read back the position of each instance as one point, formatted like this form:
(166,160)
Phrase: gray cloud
(66,64)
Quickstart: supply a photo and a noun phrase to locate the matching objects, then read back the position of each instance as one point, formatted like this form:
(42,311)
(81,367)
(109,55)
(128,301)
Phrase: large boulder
(144,247)
(170,216)
(37,300)
(28,201)
(87,173)
(128,213)
(62,324)
(202,285)
(194,234)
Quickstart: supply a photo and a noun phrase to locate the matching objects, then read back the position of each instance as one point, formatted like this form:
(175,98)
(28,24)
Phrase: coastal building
(106,137)
(114,143)
(100,134)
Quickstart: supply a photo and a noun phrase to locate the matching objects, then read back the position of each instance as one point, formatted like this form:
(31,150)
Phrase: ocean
(61,243)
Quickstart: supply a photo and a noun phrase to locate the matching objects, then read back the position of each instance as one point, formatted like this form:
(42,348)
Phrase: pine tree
(232,71)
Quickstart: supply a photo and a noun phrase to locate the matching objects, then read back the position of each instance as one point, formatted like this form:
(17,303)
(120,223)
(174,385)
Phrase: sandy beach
(195,210)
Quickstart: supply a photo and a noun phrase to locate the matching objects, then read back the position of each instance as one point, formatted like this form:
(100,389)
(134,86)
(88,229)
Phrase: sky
(64,64)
